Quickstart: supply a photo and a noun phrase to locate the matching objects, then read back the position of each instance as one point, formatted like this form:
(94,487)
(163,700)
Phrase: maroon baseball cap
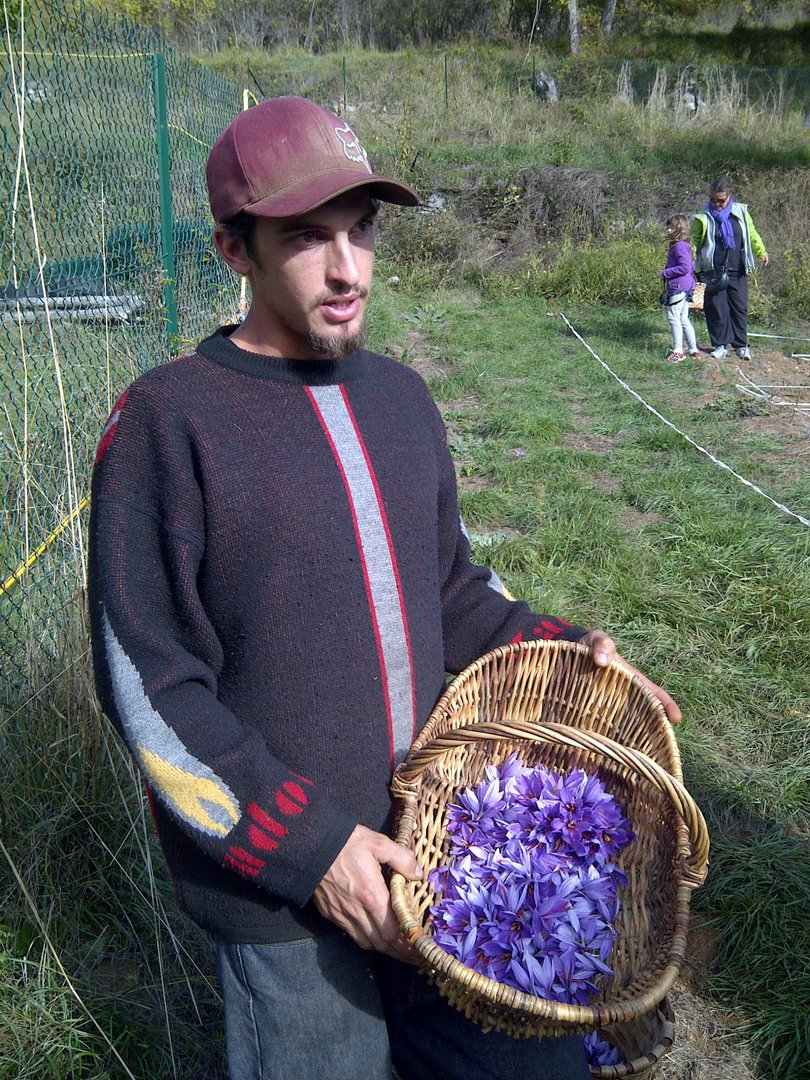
(286,156)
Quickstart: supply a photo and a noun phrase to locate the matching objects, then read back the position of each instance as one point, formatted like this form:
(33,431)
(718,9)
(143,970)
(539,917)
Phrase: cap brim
(313,192)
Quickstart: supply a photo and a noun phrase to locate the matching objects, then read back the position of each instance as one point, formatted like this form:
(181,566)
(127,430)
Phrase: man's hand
(604,650)
(353,893)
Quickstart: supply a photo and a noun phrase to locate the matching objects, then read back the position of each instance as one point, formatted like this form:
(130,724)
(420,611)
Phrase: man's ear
(233,251)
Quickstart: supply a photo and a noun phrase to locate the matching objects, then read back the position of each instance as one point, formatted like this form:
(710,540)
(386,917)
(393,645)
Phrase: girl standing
(679,281)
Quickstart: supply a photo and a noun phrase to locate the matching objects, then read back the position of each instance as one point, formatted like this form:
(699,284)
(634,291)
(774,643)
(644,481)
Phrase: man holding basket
(279,581)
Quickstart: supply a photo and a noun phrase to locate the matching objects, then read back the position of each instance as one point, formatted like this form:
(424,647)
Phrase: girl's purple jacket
(677,274)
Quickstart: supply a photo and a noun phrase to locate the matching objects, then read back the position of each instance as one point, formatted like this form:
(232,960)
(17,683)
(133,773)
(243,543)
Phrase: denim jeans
(323,1009)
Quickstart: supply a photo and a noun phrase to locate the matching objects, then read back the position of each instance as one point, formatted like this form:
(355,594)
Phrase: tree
(608,15)
(574,27)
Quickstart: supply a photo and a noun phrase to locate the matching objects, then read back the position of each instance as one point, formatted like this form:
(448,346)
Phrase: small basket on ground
(550,704)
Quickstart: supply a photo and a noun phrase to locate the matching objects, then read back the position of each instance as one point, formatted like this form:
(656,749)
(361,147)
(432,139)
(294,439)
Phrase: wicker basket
(548,702)
(642,1043)
(699,291)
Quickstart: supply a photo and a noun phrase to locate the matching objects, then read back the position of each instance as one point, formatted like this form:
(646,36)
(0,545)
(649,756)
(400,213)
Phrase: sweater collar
(219,349)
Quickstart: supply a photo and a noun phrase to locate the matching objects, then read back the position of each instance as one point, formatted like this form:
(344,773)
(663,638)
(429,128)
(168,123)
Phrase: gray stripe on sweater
(385,597)
(187,785)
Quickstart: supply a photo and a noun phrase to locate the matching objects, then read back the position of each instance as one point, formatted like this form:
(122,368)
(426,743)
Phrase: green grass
(609,518)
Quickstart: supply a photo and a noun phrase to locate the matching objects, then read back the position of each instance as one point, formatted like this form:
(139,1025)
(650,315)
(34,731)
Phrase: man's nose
(342,262)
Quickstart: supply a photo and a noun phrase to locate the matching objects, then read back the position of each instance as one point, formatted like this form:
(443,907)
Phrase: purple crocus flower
(600,1052)
(476,807)
(529,896)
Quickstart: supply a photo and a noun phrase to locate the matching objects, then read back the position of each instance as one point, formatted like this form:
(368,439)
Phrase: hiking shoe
(719,353)
(695,354)
(675,358)
(744,353)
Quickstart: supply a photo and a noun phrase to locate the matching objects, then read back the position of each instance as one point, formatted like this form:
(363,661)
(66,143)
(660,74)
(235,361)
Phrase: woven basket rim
(441,713)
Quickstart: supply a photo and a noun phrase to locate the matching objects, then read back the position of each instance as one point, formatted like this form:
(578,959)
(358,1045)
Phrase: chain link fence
(106,261)
(106,268)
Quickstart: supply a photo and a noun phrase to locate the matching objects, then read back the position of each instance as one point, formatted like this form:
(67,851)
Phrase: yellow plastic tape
(24,567)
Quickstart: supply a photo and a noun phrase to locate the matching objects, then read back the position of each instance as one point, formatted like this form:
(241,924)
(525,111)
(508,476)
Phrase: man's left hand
(603,649)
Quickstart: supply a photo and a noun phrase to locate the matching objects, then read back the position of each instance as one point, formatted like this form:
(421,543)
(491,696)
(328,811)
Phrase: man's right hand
(353,893)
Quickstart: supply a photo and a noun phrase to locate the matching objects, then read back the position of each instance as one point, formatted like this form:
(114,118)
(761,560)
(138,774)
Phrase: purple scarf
(723,218)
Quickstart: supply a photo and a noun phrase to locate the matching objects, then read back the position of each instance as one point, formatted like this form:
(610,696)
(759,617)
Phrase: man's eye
(366,225)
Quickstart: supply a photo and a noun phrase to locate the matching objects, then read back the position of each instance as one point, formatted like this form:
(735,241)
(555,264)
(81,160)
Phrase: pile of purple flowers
(529,896)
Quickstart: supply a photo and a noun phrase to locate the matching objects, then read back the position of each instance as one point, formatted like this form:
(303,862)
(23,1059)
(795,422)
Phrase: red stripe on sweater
(261,840)
(250,871)
(108,434)
(246,857)
(548,629)
(269,824)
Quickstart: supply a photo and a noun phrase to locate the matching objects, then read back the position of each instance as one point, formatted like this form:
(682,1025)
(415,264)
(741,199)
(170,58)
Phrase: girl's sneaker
(676,358)
(695,354)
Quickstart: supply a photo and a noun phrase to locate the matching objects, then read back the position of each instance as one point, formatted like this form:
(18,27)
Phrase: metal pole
(166,214)
(534,76)
(446,91)
(344,85)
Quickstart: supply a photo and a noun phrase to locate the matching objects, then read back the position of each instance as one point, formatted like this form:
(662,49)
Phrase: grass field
(611,516)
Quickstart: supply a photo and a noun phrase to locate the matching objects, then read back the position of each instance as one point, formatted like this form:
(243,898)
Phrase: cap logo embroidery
(351,146)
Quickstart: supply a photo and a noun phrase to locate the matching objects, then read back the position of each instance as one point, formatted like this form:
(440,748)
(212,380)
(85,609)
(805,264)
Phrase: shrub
(621,272)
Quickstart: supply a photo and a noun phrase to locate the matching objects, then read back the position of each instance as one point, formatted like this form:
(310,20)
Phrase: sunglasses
(719,201)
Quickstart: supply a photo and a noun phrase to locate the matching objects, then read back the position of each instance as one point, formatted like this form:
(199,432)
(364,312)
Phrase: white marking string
(780,337)
(720,464)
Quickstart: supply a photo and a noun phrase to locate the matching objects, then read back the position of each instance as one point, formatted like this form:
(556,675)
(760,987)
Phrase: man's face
(310,277)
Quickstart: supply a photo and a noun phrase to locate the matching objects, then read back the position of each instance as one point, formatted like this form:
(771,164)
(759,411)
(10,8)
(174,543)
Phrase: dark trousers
(431,1040)
(322,1009)
(727,313)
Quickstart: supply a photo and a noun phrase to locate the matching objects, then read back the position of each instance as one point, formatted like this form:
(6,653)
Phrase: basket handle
(695,864)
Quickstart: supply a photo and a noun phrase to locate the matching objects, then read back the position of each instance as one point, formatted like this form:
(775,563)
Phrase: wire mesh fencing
(393,81)
(107,267)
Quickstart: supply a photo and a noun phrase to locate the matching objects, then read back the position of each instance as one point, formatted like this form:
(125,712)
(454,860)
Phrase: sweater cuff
(287,845)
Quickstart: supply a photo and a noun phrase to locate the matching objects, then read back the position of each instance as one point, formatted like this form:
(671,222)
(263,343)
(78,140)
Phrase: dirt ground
(776,371)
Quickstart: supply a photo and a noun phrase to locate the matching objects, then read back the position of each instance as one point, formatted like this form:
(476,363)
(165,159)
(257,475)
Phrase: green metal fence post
(166,214)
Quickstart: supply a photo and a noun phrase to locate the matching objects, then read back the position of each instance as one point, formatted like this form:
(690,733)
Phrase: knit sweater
(279,580)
